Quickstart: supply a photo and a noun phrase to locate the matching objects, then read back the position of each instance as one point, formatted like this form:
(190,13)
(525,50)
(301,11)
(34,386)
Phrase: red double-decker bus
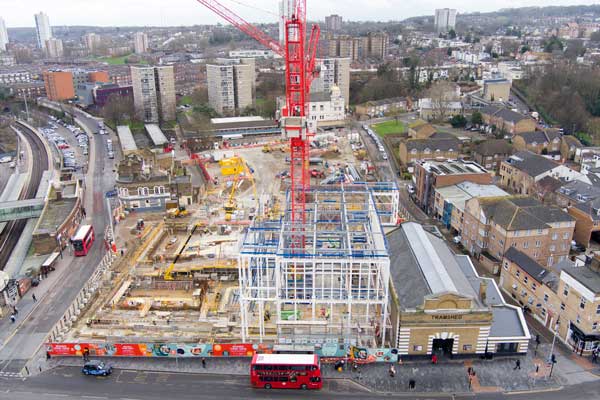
(286,371)
(83,240)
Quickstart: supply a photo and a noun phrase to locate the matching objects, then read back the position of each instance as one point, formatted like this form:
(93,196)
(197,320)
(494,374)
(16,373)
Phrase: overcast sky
(19,13)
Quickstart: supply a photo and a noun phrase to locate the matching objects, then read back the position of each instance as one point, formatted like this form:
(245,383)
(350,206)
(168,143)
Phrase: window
(526,279)
(550,260)
(518,273)
(554,236)
(538,243)
(553,248)
(467,347)
(543,312)
(595,326)
(523,293)
(562,306)
(566,290)
(505,265)
(534,286)
(582,302)
(545,297)
(598,310)
(525,245)
(578,319)
(566,235)
(417,348)
(539,231)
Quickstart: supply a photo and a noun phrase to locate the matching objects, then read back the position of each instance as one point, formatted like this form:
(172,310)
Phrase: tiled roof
(503,113)
(531,163)
(433,144)
(521,213)
(493,146)
(529,265)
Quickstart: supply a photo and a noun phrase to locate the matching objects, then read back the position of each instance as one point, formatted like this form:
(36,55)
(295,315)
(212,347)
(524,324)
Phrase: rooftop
(493,146)
(540,137)
(532,267)
(531,163)
(504,113)
(156,134)
(458,194)
(422,264)
(126,138)
(586,276)
(236,120)
(452,167)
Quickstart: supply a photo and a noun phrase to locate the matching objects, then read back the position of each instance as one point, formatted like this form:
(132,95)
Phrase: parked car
(411,189)
(111,155)
(97,368)
(576,247)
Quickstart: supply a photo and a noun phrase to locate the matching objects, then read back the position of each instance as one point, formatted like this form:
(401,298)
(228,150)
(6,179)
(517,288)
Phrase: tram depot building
(439,304)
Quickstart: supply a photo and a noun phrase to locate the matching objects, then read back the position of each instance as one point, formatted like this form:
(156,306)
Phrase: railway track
(12,232)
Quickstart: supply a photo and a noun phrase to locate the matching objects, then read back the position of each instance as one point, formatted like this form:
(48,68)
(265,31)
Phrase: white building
(230,86)
(140,42)
(334,72)
(326,109)
(44,31)
(283,13)
(91,41)
(54,48)
(253,54)
(3,35)
(154,92)
(445,19)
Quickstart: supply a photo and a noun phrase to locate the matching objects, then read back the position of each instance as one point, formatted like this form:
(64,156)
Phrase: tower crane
(299,73)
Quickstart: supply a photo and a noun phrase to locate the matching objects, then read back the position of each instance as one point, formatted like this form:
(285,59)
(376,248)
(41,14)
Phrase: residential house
(528,283)
(568,147)
(490,153)
(540,142)
(379,108)
(507,120)
(420,130)
(545,189)
(437,146)
(521,171)
(430,109)
(567,304)
(493,225)
(433,174)
(450,201)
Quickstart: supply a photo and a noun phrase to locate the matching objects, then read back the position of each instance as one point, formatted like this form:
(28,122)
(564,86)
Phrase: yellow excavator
(169,272)
(230,205)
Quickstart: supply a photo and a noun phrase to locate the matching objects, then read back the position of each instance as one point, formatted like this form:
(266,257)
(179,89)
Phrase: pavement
(22,340)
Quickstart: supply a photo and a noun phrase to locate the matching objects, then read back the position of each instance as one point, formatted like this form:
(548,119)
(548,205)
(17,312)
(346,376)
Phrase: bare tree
(118,108)
(441,95)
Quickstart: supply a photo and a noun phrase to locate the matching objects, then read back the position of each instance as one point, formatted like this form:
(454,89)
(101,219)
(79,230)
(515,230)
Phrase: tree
(458,121)
(575,48)
(553,44)
(118,109)
(525,49)
(441,94)
(595,37)
(476,118)
(452,34)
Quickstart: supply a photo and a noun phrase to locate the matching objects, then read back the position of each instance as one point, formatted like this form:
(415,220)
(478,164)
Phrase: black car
(96,367)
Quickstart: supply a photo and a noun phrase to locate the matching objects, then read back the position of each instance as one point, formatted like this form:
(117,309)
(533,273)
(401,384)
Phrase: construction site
(225,269)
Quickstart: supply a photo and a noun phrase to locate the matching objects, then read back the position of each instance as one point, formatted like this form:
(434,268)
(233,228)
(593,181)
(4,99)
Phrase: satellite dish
(4,278)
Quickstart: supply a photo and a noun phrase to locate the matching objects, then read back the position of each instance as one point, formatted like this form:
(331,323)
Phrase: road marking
(94,397)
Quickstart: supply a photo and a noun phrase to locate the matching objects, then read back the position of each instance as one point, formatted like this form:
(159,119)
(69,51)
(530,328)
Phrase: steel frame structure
(334,288)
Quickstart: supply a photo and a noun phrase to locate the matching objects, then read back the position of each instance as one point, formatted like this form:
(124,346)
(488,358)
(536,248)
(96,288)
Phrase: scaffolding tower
(335,289)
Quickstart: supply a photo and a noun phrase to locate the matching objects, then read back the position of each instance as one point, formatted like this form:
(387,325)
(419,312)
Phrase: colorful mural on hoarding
(329,352)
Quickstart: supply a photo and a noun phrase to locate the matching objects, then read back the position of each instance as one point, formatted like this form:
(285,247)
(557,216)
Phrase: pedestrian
(15,310)
(13,319)
(34,298)
(517,365)
(355,366)
(48,356)
(392,371)
(434,359)
(411,384)
(122,253)
(595,356)
(86,354)
(203,362)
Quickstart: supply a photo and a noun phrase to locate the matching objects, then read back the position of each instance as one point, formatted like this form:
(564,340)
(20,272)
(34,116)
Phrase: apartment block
(230,86)
(91,41)
(59,85)
(445,19)
(54,48)
(333,22)
(3,35)
(568,304)
(140,42)
(433,174)
(334,72)
(154,92)
(43,29)
(493,225)
(374,45)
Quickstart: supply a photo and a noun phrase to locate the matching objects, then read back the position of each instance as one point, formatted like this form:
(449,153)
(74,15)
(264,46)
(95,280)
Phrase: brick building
(490,153)
(493,225)
(431,175)
(59,85)
(546,141)
(438,146)
(507,120)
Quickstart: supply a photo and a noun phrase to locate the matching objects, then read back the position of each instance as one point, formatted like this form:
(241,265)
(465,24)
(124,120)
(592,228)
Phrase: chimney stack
(483,284)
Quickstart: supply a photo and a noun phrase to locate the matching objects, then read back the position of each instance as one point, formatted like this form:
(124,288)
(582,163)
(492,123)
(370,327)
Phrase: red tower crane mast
(299,73)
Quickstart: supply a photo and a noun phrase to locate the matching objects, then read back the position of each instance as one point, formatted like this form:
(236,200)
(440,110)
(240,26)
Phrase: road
(12,233)
(31,333)
(69,383)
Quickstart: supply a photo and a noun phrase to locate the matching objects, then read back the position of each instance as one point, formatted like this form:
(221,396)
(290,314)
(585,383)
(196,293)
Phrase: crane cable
(255,8)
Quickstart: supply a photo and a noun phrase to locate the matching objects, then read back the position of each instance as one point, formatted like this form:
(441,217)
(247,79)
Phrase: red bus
(286,371)
(83,240)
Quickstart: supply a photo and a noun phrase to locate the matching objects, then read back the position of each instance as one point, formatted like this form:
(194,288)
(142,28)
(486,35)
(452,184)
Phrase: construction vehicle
(230,205)
(169,272)
(231,166)
(317,173)
(300,70)
(267,148)
(177,212)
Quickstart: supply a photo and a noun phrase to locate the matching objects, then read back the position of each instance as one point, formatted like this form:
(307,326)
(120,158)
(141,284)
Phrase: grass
(185,100)
(392,127)
(118,60)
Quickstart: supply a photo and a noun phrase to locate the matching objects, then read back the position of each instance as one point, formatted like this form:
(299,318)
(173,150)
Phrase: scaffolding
(335,287)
